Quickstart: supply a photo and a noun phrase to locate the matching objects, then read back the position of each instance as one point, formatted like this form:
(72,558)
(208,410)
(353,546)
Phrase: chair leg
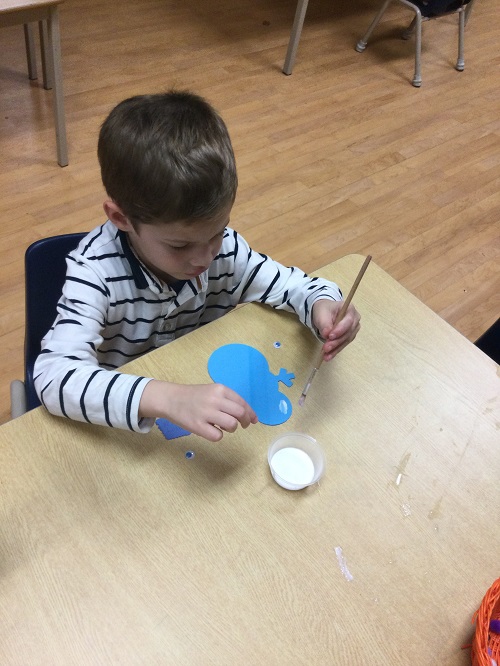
(361,45)
(18,400)
(468,10)
(293,44)
(30,51)
(409,30)
(461,30)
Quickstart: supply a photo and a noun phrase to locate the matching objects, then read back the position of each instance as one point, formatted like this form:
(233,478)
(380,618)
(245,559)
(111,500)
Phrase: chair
(489,342)
(425,11)
(45,272)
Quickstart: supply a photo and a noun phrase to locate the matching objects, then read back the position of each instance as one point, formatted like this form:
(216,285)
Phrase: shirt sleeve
(261,279)
(67,375)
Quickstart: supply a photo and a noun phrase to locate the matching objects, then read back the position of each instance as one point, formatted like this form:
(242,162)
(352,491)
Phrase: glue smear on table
(342,564)
(293,466)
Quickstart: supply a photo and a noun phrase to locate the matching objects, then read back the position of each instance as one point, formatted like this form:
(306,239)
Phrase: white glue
(293,466)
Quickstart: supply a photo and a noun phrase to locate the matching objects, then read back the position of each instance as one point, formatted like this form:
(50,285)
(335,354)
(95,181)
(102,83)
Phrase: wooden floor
(343,156)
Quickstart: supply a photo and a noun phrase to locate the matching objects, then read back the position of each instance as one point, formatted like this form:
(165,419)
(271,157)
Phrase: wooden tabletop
(116,549)
(15,12)
(18,5)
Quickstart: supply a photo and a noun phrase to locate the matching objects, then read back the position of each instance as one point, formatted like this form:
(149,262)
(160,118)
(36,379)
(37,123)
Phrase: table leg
(30,51)
(44,41)
(300,14)
(54,66)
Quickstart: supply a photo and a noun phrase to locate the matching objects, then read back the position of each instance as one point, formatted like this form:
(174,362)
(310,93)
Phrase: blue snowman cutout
(246,370)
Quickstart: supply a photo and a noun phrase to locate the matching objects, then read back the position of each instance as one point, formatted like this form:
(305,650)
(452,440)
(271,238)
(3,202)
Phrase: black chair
(45,272)
(424,11)
(489,342)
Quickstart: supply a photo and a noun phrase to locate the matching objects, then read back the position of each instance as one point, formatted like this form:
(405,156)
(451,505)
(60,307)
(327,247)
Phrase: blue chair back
(489,342)
(45,272)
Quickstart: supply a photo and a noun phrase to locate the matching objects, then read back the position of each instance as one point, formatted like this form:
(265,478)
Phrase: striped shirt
(113,310)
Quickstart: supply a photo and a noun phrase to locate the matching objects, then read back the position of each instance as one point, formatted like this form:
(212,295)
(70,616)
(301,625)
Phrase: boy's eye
(186,245)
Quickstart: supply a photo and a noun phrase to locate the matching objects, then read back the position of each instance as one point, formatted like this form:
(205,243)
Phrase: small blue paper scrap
(246,370)
(170,430)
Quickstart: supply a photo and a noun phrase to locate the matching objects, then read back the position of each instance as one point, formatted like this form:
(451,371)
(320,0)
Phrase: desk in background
(46,12)
(116,549)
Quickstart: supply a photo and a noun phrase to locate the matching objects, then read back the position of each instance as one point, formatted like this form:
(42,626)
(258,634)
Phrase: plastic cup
(296,461)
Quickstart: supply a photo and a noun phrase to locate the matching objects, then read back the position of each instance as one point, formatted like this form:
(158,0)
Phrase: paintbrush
(340,316)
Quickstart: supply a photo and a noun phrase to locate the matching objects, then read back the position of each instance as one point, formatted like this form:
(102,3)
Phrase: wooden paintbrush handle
(347,301)
(362,270)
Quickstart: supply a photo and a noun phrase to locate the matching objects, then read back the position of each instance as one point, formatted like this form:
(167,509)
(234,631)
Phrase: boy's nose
(202,257)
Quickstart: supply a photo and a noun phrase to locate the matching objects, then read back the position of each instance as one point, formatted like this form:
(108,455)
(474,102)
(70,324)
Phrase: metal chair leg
(293,44)
(18,399)
(409,30)
(468,10)
(461,30)
(361,45)
(416,27)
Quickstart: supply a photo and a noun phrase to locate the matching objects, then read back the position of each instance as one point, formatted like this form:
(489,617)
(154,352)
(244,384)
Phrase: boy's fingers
(227,422)
(344,330)
(241,410)
(333,347)
(345,325)
(210,432)
(232,410)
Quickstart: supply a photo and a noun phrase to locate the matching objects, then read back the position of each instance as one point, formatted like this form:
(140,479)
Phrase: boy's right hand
(203,409)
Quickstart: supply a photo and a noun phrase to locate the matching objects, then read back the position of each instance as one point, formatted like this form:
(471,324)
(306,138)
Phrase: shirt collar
(143,278)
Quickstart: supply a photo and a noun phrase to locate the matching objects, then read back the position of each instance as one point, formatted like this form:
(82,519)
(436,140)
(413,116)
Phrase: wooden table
(19,12)
(116,549)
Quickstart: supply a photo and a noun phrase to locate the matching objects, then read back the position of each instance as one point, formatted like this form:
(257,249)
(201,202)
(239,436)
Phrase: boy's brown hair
(167,157)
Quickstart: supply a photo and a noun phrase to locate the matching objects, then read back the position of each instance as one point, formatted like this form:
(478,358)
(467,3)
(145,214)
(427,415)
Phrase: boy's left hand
(336,335)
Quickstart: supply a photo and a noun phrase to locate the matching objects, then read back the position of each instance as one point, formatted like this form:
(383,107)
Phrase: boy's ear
(117,216)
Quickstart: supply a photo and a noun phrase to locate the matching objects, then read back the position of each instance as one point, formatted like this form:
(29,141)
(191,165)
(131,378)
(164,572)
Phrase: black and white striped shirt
(113,309)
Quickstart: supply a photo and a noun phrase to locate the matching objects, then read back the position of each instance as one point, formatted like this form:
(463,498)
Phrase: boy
(163,264)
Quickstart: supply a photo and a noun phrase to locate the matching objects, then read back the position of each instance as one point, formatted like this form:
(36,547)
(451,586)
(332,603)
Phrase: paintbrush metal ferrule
(307,386)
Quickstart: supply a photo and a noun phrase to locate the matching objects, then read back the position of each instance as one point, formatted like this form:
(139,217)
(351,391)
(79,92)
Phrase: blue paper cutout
(170,430)
(246,370)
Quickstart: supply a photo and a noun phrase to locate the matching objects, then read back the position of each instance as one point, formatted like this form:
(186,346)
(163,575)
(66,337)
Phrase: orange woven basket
(486,642)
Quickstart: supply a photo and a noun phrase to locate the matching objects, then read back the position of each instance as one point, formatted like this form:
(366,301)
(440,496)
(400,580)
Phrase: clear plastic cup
(296,461)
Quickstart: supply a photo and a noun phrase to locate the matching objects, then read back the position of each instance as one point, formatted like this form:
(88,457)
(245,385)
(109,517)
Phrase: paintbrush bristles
(339,317)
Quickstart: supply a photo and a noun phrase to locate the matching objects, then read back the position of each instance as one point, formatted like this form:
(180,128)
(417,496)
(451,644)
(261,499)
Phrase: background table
(18,12)
(116,549)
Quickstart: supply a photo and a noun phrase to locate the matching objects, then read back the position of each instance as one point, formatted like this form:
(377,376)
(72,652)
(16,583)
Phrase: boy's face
(179,250)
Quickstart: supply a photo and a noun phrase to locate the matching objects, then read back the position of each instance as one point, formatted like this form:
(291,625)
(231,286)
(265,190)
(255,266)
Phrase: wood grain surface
(116,549)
